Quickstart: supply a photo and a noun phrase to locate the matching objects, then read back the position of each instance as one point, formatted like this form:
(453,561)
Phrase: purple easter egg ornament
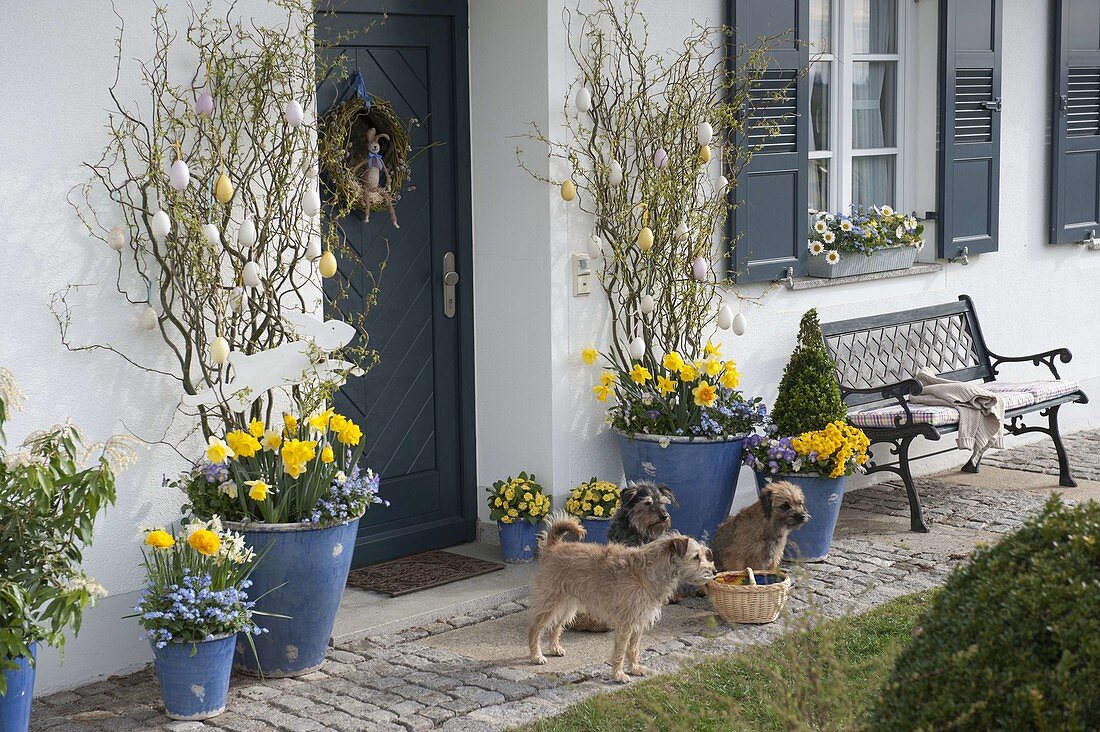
(204,105)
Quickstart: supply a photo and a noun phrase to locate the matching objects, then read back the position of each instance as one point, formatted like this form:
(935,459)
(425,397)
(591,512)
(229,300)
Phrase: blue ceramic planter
(701,473)
(301,575)
(811,541)
(195,686)
(596,528)
(15,705)
(517,541)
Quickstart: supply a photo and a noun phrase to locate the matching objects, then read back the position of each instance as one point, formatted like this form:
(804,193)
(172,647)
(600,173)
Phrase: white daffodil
(816,248)
(829,237)
(820,226)
(832,256)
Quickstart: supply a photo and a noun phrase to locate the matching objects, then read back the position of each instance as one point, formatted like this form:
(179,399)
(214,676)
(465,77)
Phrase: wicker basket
(751,603)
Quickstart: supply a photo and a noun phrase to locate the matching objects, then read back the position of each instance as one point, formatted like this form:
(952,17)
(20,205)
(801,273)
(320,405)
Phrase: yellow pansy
(640,374)
(665,386)
(160,539)
(730,379)
(205,542)
(217,451)
(589,355)
(327,455)
(256,428)
(704,394)
(272,440)
(242,444)
(257,490)
(672,361)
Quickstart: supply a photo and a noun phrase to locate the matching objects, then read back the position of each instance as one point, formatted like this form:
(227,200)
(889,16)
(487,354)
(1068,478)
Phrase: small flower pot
(15,705)
(194,677)
(517,541)
(597,527)
(811,541)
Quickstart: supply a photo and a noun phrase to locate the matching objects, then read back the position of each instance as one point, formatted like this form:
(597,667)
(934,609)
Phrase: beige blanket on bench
(981,412)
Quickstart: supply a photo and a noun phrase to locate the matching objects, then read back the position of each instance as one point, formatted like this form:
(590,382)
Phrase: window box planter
(851,264)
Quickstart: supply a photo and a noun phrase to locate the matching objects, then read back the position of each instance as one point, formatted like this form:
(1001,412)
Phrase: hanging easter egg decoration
(313,249)
(179,175)
(595,246)
(161,225)
(204,105)
(312,172)
(615,173)
(219,351)
(739,324)
(328,264)
(704,133)
(699,268)
(584,99)
(117,237)
(568,190)
(645,239)
(646,304)
(223,189)
(246,235)
(681,232)
(660,158)
(148,318)
(250,275)
(636,349)
(311,202)
(704,154)
(725,317)
(722,184)
(293,113)
(236,299)
(211,234)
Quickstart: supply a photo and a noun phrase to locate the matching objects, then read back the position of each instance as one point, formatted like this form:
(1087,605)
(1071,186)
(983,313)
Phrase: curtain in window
(874,102)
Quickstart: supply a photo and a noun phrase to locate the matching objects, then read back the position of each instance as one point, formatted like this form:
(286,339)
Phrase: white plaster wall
(57,68)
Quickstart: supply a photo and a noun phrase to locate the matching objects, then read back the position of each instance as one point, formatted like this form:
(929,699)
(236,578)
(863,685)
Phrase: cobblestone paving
(395,682)
(1039,457)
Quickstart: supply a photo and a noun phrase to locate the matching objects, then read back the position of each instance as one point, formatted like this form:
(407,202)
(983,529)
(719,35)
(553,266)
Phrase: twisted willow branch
(252,71)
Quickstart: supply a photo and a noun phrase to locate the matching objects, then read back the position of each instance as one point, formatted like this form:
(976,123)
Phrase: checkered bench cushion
(1041,390)
(886,417)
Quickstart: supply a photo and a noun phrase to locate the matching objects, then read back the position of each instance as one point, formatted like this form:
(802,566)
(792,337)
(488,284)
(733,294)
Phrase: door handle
(450,280)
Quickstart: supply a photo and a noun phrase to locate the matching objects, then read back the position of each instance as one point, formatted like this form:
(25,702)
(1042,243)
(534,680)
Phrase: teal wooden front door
(416,405)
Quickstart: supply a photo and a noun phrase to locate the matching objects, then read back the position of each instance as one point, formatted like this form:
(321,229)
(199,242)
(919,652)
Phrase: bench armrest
(900,392)
(1045,358)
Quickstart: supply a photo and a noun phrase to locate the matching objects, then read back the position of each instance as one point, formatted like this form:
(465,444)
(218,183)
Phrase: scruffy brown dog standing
(756,536)
(626,587)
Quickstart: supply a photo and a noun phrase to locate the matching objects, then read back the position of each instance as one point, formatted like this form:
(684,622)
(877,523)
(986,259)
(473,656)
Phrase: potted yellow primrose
(518,505)
(593,502)
(296,492)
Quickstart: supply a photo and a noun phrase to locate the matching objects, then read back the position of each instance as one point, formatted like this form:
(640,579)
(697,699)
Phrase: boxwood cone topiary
(809,396)
(1013,639)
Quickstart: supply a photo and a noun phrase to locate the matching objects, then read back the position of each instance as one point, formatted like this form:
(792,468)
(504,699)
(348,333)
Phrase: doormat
(419,572)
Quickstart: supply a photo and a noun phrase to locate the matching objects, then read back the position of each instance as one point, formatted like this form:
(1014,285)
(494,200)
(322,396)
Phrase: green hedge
(1013,640)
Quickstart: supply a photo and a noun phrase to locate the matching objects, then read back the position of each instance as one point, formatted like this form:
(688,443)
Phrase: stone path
(1039,457)
(405,682)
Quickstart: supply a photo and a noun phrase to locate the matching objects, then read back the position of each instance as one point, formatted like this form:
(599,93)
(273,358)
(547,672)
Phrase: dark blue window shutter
(1075,122)
(969,126)
(768,226)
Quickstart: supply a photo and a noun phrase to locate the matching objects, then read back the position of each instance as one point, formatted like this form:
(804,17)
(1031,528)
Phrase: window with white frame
(855,74)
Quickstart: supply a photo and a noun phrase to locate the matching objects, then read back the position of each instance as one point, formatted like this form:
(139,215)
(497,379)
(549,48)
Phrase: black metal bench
(877,357)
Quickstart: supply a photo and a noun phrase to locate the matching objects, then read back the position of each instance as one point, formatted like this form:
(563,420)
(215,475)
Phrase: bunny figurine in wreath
(374,191)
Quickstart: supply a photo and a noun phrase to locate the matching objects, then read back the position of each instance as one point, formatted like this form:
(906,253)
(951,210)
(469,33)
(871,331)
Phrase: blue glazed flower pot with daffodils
(194,677)
(297,586)
(702,473)
(811,541)
(15,704)
(517,541)
(596,528)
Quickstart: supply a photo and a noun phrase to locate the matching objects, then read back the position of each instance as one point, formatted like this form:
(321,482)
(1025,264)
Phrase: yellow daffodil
(257,490)
(327,455)
(712,367)
(217,451)
(712,350)
(665,386)
(730,379)
(688,373)
(294,469)
(607,378)
(350,434)
(205,542)
(256,428)
(672,361)
(320,420)
(704,394)
(298,452)
(290,422)
(242,444)
(337,423)
(640,374)
(589,355)
(602,392)
(272,440)
(160,539)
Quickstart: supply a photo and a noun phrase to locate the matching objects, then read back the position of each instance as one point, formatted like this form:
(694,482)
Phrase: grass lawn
(822,680)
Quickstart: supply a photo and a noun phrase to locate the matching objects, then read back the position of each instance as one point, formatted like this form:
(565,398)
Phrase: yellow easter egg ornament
(223,189)
(704,154)
(645,239)
(328,264)
(568,190)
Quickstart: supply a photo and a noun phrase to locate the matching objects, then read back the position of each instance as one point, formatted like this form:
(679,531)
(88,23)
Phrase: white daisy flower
(845,225)
(829,237)
(899,232)
(832,256)
(816,248)
(887,211)
(820,226)
(910,223)
(821,214)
